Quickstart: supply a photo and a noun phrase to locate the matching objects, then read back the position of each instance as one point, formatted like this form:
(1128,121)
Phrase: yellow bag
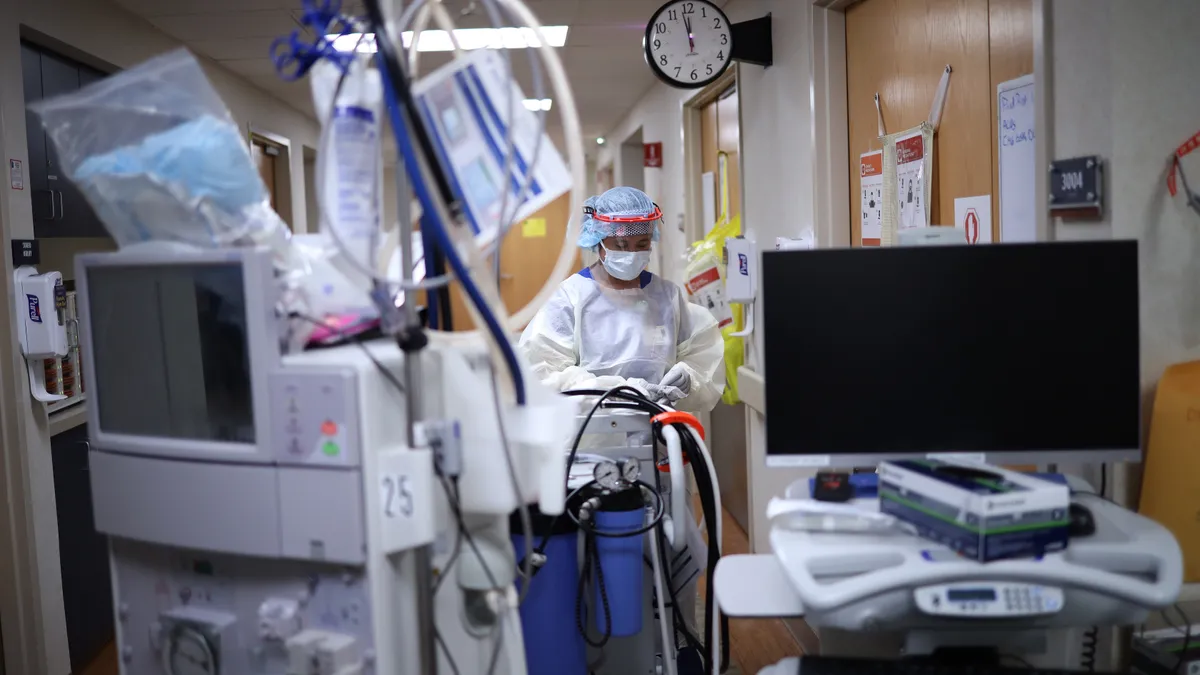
(705,272)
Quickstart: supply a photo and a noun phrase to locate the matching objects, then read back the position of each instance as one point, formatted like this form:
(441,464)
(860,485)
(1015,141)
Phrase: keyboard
(830,665)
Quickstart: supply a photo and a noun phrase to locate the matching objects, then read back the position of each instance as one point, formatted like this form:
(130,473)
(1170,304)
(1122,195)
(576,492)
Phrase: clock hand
(687,25)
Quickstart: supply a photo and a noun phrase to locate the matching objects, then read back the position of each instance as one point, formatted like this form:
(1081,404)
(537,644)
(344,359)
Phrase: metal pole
(422,556)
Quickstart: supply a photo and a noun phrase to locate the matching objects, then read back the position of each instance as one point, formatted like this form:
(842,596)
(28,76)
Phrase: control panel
(190,613)
(987,600)
(312,417)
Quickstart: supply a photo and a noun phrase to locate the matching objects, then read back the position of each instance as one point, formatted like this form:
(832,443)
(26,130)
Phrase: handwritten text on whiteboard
(1011,105)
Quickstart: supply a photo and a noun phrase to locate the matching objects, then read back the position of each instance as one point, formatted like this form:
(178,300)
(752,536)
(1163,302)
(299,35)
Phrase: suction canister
(553,645)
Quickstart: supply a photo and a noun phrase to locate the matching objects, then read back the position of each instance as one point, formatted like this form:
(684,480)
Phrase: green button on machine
(330,448)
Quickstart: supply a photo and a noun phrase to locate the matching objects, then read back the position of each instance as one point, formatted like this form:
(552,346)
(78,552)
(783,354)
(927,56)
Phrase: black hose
(395,72)
(591,561)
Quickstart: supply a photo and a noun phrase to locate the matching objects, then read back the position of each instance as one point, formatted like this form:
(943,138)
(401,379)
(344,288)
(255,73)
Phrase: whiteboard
(1017,159)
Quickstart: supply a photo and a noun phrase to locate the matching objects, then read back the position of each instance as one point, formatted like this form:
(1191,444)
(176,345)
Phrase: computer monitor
(176,348)
(1007,353)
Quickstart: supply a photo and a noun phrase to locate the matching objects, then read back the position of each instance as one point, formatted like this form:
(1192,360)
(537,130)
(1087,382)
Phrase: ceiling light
(535,104)
(600,140)
(468,39)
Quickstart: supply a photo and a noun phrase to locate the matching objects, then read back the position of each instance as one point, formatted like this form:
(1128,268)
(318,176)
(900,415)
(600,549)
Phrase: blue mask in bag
(194,183)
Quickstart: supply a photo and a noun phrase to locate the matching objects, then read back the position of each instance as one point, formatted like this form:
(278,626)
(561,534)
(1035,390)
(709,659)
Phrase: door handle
(506,277)
(62,209)
(53,207)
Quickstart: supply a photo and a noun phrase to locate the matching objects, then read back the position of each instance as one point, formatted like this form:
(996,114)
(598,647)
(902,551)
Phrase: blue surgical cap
(619,202)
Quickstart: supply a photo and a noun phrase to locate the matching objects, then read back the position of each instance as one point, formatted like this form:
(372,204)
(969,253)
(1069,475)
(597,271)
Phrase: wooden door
(899,48)
(264,159)
(526,260)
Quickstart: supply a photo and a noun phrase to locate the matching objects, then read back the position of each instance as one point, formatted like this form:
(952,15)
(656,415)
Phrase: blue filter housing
(621,563)
(553,645)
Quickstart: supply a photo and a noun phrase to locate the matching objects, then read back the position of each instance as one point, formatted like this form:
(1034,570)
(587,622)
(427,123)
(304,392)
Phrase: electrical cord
(1187,637)
(526,568)
(394,73)
(495,660)
(354,339)
(659,512)
(437,635)
(1087,657)
(591,562)
(456,509)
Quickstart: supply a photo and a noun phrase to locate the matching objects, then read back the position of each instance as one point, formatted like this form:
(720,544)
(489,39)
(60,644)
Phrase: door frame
(693,159)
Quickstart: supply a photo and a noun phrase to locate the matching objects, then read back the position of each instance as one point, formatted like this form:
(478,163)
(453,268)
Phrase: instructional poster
(708,290)
(910,175)
(870,171)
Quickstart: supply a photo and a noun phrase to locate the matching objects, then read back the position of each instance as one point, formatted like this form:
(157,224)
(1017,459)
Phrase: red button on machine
(328,428)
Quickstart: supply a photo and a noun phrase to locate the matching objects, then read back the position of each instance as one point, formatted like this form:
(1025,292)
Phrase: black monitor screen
(948,349)
(172,357)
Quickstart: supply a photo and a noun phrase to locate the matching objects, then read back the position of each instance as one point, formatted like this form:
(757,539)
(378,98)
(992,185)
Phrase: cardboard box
(981,511)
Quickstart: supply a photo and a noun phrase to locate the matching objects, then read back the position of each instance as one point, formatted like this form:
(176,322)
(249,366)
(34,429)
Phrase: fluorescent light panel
(535,104)
(468,38)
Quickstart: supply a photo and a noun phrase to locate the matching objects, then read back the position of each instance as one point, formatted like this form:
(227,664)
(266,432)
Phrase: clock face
(688,43)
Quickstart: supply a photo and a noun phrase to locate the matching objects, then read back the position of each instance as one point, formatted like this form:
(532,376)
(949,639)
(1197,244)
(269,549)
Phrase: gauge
(608,475)
(189,653)
(631,469)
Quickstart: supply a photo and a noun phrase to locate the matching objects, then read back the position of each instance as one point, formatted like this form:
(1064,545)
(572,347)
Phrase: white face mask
(625,265)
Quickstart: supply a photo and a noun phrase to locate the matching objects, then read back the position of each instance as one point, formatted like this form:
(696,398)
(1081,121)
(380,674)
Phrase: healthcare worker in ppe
(615,324)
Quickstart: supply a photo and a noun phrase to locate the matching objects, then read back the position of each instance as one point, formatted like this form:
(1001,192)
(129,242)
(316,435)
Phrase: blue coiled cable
(294,55)
(438,229)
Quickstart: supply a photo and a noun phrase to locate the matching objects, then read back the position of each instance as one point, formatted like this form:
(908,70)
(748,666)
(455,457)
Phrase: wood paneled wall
(899,49)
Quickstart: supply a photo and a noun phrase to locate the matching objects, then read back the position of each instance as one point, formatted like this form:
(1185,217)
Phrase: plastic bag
(157,155)
(705,272)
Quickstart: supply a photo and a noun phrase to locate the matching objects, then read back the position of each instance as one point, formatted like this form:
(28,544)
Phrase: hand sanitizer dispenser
(41,309)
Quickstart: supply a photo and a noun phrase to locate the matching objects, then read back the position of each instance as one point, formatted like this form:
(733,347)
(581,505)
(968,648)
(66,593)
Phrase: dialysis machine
(266,512)
(1023,354)
(268,515)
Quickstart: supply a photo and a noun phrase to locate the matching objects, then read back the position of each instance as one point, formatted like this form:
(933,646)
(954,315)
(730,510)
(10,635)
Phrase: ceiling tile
(234,48)
(603,57)
(192,27)
(154,8)
(618,11)
(262,67)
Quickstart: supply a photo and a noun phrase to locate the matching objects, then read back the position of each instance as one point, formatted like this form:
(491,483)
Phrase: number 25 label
(397,496)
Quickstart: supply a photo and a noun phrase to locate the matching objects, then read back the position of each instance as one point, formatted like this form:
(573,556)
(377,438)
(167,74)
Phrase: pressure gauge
(688,43)
(188,652)
(607,475)
(631,470)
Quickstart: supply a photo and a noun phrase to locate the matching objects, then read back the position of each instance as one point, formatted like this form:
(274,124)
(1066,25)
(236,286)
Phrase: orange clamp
(679,417)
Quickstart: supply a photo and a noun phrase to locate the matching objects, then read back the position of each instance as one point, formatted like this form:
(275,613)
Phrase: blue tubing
(553,645)
(621,564)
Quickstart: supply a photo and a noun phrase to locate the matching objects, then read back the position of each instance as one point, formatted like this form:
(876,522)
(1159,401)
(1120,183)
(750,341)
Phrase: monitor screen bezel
(1025,456)
(262,335)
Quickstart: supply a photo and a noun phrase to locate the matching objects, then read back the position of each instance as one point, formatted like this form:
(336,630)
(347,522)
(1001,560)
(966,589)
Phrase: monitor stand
(1130,567)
